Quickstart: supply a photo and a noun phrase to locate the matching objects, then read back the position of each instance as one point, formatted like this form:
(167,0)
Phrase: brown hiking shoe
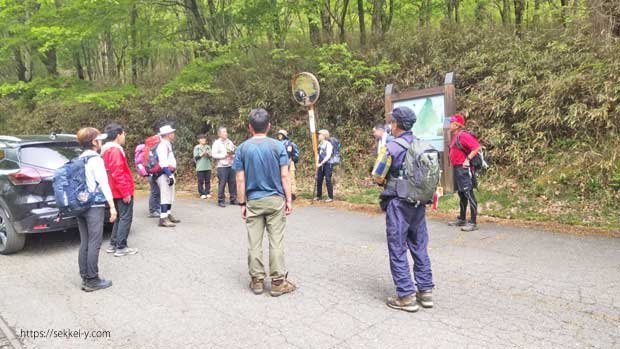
(257,286)
(406,303)
(281,286)
(173,219)
(164,222)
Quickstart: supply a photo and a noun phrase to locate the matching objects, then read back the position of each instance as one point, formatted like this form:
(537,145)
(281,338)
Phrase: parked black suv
(27,205)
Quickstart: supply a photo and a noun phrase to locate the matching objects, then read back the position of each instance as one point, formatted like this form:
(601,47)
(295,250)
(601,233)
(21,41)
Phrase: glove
(171,181)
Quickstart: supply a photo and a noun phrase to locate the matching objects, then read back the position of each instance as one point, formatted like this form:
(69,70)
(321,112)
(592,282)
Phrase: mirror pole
(315,142)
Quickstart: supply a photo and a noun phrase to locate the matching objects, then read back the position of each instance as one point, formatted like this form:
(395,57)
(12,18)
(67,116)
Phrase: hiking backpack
(138,158)
(420,172)
(294,155)
(70,188)
(477,162)
(335,159)
(151,160)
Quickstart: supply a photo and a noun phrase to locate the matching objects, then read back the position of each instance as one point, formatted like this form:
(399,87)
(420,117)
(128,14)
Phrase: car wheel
(10,240)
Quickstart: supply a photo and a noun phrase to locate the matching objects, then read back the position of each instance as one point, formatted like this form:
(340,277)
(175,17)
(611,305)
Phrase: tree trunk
(50,61)
(197,20)
(506,12)
(326,23)
(456,11)
(88,62)
(563,6)
(78,65)
(377,15)
(361,14)
(519,7)
(342,22)
(536,10)
(134,44)
(314,31)
(20,67)
(109,53)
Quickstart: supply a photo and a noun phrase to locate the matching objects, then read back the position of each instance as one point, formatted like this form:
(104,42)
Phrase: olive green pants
(266,213)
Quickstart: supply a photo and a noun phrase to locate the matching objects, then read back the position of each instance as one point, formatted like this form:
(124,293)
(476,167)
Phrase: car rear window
(48,156)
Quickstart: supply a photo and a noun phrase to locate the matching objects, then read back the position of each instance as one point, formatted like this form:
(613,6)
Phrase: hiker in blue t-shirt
(264,193)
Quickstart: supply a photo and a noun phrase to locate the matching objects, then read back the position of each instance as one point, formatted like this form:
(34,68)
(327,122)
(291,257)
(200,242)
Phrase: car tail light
(26,176)
(40,226)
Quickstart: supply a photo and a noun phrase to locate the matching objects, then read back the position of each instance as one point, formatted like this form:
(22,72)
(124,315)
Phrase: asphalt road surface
(188,287)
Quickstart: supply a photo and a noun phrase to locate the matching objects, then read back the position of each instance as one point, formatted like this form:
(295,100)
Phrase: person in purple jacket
(405,223)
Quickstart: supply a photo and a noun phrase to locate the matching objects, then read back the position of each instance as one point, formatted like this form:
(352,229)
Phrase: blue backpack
(335,159)
(70,188)
(294,155)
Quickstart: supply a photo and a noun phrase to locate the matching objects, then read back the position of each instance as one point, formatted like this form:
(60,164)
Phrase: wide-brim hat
(166,130)
(283,132)
(101,137)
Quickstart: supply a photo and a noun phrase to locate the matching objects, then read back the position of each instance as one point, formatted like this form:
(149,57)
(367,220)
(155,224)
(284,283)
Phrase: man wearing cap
(166,181)
(405,222)
(293,155)
(464,176)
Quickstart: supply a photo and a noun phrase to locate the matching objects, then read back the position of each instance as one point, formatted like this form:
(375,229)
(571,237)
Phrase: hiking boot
(95,284)
(221,204)
(470,227)
(234,202)
(257,286)
(425,298)
(173,219)
(125,251)
(154,214)
(282,286)
(405,303)
(458,223)
(110,249)
(164,222)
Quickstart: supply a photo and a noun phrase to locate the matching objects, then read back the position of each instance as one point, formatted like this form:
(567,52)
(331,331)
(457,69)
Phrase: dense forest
(539,80)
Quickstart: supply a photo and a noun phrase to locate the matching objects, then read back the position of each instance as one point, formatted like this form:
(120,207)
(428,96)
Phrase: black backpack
(477,163)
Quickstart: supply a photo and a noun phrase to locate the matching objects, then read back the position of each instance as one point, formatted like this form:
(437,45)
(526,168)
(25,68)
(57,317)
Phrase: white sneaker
(208,196)
(203,197)
(329,200)
(125,251)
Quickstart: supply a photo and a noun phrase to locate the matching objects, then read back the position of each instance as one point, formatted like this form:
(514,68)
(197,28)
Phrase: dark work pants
(406,231)
(204,182)
(468,197)
(90,224)
(225,175)
(154,195)
(325,172)
(464,183)
(122,225)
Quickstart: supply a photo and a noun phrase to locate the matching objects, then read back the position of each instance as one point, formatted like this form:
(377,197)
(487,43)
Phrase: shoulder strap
(458,143)
(402,142)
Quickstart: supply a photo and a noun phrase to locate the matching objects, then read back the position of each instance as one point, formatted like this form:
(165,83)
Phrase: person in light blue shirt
(262,176)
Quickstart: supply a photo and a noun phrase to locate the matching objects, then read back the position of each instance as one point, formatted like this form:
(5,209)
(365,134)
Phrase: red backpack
(151,160)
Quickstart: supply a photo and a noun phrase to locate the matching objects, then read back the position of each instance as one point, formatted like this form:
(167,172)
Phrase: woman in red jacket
(122,185)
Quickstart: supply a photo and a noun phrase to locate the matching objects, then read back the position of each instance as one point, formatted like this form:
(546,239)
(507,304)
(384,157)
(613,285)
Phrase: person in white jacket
(90,222)
(223,151)
(166,181)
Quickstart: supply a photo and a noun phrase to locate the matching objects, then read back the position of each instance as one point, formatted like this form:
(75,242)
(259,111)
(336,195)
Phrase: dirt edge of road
(375,210)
